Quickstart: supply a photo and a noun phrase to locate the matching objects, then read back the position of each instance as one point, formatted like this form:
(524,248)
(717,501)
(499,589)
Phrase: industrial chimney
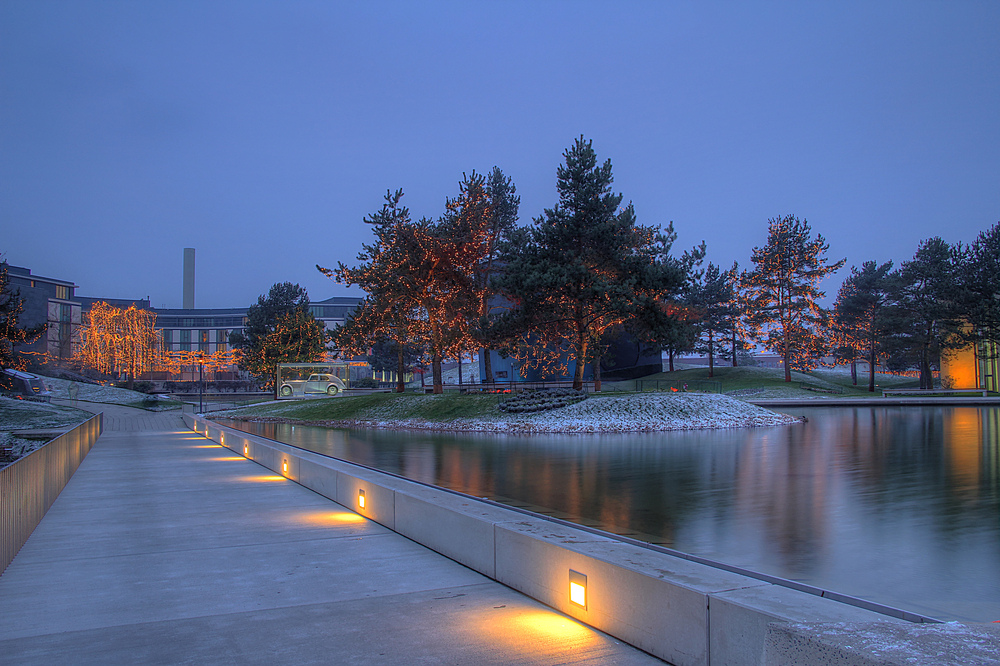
(189,278)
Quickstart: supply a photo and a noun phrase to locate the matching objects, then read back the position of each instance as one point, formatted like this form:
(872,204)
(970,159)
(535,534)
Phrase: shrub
(542,400)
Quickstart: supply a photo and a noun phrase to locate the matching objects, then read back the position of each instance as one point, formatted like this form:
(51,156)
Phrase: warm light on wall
(361,499)
(578,588)
(222,439)
(284,467)
(246,449)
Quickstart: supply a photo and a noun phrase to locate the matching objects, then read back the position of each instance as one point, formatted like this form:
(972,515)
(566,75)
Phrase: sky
(263,133)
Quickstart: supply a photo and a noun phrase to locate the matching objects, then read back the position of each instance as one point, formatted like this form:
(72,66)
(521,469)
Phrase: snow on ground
(109,395)
(30,415)
(631,413)
(780,393)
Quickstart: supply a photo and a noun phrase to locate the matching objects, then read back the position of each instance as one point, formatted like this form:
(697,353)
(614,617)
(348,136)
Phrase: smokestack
(188,278)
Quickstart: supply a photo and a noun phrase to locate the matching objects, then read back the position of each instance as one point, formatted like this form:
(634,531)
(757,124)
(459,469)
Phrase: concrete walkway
(167,548)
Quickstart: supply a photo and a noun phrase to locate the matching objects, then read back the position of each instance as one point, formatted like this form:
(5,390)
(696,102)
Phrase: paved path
(167,548)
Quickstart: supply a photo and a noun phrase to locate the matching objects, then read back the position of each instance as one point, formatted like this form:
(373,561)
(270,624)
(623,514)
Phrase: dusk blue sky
(261,134)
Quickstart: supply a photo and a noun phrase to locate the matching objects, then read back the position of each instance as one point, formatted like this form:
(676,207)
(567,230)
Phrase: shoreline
(635,413)
(500,428)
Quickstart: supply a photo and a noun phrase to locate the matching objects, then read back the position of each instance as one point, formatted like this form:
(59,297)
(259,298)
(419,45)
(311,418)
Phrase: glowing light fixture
(284,467)
(222,439)
(246,449)
(361,499)
(578,588)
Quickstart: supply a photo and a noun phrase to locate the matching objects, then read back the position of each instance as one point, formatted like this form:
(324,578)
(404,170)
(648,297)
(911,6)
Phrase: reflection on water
(898,505)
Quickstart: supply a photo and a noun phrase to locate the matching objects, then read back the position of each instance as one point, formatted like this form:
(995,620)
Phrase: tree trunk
(597,373)
(581,361)
(711,355)
(400,387)
(436,371)
(785,353)
(670,360)
(871,370)
(734,349)
(926,378)
(460,371)
(854,372)
(484,354)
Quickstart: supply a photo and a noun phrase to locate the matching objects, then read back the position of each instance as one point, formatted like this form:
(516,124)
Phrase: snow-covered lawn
(633,413)
(109,395)
(29,415)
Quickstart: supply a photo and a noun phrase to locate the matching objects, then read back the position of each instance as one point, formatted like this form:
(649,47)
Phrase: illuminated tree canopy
(428,282)
(784,290)
(119,341)
(280,329)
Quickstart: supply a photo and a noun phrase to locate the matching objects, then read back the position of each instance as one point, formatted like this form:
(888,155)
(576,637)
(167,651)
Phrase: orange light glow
(262,478)
(246,450)
(205,446)
(227,458)
(519,631)
(326,518)
(361,499)
(284,466)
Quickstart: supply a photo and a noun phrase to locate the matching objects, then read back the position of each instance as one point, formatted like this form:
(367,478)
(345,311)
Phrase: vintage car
(315,384)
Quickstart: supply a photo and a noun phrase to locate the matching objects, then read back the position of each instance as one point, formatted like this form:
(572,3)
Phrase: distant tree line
(553,293)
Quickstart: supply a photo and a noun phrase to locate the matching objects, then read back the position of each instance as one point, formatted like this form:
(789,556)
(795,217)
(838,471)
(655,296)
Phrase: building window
(203,341)
(185,340)
(167,337)
(62,292)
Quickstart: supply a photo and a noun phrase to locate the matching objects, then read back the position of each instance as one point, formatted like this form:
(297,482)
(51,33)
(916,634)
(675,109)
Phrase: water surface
(900,505)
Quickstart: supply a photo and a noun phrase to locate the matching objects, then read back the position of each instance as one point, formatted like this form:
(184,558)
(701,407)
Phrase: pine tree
(503,216)
(784,290)
(12,334)
(739,327)
(279,329)
(981,282)
(712,299)
(388,272)
(581,267)
(862,318)
(665,318)
(929,299)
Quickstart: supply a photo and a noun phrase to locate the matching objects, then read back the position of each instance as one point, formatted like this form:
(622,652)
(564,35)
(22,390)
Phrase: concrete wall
(684,612)
(29,486)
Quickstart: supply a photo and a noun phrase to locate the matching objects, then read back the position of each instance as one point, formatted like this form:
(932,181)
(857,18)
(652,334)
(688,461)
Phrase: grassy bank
(377,406)
(750,382)
(615,412)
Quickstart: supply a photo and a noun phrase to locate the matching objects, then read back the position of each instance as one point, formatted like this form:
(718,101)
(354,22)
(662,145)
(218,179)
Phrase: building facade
(52,302)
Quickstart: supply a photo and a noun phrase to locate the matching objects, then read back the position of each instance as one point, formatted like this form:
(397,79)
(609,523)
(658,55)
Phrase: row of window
(201,322)
(318,311)
(331,311)
(203,337)
(195,346)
